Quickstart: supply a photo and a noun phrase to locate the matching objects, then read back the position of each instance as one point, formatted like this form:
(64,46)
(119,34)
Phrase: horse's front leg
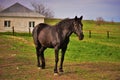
(62,59)
(56,61)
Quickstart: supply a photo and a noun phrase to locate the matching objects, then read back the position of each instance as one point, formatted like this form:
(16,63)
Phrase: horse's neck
(64,28)
(64,31)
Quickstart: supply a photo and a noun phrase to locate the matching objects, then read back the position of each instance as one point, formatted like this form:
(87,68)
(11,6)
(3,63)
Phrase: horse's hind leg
(38,56)
(42,57)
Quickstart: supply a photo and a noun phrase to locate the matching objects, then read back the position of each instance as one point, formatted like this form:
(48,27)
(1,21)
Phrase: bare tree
(40,8)
(99,21)
(1,7)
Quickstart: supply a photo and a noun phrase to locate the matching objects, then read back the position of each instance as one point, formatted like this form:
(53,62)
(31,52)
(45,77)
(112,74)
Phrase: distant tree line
(100,21)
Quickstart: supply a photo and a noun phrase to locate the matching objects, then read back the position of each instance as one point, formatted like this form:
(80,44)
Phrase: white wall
(21,24)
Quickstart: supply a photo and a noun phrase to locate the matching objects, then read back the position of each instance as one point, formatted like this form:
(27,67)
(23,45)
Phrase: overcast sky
(90,9)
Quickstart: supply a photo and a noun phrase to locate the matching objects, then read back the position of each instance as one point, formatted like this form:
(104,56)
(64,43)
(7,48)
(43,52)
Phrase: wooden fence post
(89,33)
(29,31)
(13,30)
(108,35)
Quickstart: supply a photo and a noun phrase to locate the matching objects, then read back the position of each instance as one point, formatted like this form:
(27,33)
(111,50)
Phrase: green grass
(89,49)
(93,50)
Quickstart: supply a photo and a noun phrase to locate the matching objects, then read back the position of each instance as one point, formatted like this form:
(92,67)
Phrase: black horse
(57,37)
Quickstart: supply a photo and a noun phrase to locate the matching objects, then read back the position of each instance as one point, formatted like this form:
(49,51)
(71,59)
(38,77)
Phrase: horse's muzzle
(81,37)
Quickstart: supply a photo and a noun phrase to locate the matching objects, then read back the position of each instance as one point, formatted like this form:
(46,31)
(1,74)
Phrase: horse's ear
(81,17)
(76,18)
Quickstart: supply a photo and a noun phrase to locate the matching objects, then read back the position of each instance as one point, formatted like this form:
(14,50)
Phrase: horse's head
(78,27)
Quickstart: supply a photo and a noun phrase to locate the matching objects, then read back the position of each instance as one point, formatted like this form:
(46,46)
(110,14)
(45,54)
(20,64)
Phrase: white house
(19,17)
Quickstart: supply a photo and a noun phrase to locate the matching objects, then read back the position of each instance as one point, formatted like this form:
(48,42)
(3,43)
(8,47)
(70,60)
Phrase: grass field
(95,58)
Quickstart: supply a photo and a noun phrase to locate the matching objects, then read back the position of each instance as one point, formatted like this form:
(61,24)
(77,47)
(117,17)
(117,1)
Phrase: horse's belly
(46,44)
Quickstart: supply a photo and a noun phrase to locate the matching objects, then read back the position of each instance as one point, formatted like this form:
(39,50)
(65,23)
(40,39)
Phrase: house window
(31,24)
(6,23)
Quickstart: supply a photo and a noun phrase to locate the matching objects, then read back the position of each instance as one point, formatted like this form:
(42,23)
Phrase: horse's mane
(63,22)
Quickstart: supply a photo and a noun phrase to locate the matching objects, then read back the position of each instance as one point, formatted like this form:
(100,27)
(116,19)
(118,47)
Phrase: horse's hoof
(61,71)
(56,74)
(42,67)
(39,68)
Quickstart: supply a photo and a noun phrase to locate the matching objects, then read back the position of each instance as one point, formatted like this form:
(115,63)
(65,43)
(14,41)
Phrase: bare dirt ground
(13,69)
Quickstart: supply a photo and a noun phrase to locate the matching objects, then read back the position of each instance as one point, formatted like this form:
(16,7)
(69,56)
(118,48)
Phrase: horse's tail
(35,33)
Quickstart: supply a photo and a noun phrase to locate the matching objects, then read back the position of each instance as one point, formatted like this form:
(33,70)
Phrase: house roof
(18,10)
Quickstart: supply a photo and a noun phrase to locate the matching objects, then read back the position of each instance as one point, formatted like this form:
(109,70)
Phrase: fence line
(13,31)
(107,33)
(90,32)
